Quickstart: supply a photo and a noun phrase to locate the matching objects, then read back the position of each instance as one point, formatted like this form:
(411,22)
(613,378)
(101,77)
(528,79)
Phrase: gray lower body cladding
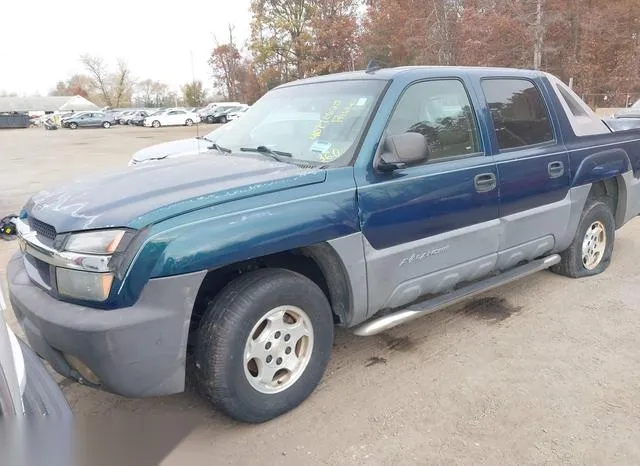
(136,351)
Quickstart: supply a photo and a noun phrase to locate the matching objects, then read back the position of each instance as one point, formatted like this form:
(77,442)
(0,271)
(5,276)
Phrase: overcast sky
(42,40)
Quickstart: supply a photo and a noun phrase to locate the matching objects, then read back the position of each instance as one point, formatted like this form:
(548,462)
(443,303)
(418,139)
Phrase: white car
(172,117)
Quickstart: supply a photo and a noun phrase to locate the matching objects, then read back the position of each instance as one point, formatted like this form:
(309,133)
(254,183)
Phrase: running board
(384,323)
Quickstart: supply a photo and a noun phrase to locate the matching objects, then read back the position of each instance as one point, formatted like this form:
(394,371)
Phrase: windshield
(317,122)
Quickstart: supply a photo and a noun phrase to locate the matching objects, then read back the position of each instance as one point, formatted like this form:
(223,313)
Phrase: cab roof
(417,72)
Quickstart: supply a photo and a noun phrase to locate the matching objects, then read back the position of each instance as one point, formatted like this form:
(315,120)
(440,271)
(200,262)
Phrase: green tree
(194,94)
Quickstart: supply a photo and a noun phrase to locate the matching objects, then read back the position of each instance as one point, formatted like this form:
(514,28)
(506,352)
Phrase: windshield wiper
(214,146)
(222,150)
(274,154)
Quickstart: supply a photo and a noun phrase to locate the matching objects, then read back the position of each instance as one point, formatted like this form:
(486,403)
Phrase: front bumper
(137,351)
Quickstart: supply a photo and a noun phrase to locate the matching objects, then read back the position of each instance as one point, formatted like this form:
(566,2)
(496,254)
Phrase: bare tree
(100,75)
(123,84)
(152,93)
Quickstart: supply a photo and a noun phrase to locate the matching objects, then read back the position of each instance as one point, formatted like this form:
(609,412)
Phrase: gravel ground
(542,371)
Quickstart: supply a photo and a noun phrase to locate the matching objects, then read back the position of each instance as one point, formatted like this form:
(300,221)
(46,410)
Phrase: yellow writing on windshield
(326,118)
(330,155)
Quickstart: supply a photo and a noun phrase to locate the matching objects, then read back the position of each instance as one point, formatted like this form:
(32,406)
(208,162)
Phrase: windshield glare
(316,122)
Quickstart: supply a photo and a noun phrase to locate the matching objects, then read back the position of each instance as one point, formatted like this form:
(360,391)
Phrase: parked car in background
(213,105)
(172,117)
(626,119)
(235,114)
(89,120)
(68,116)
(122,118)
(128,119)
(117,113)
(219,114)
(26,387)
(138,120)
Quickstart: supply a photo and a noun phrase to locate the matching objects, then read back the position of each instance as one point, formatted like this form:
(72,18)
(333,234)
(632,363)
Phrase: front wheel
(592,247)
(73,125)
(263,344)
(155,124)
(106,125)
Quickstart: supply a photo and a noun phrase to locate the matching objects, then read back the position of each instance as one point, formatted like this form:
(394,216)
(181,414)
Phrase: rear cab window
(583,120)
(519,113)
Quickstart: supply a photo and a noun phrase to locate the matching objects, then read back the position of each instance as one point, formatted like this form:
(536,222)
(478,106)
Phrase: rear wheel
(223,119)
(106,124)
(73,125)
(155,124)
(263,344)
(189,122)
(591,249)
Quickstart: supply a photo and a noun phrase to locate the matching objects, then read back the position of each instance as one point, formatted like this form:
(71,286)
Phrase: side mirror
(402,149)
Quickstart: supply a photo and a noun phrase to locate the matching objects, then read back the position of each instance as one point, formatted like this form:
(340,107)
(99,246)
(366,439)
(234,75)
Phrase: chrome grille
(43,229)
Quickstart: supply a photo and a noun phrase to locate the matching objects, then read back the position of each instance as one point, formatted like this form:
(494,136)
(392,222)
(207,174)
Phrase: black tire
(155,124)
(225,329)
(106,125)
(223,119)
(571,264)
(73,125)
(189,122)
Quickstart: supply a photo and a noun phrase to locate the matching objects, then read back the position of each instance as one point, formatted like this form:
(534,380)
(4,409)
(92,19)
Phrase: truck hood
(177,148)
(158,190)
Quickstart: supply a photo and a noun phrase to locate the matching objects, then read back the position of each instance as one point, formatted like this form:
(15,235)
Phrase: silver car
(26,387)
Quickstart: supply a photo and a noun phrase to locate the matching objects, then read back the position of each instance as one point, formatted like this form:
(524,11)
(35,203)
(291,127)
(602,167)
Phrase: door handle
(485,182)
(555,169)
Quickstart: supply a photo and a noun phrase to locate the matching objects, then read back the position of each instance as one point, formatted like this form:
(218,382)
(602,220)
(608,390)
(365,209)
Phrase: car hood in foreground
(152,192)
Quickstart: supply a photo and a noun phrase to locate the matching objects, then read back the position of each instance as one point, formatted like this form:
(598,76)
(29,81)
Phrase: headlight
(89,274)
(84,285)
(95,242)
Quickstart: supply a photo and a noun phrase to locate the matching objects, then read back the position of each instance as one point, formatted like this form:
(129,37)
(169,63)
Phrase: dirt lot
(544,371)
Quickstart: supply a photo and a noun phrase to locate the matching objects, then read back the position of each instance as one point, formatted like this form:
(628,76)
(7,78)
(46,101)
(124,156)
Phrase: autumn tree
(226,61)
(293,39)
(194,94)
(334,36)
(78,84)
(281,35)
(407,32)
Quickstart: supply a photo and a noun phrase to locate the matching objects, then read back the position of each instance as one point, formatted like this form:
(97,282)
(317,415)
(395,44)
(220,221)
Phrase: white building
(37,106)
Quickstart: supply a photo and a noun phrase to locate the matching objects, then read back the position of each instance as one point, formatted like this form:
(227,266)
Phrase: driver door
(432,226)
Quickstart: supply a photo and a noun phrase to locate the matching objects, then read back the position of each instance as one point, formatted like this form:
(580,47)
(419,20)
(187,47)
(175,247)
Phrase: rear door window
(520,116)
